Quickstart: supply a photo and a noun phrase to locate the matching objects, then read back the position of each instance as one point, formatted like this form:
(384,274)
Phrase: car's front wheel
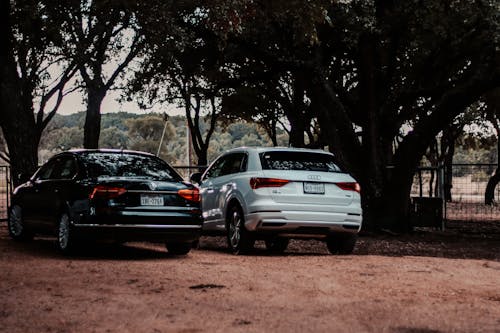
(341,243)
(277,244)
(17,230)
(66,238)
(178,248)
(239,240)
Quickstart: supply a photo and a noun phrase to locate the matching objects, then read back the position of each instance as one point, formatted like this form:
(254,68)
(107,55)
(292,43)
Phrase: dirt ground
(429,281)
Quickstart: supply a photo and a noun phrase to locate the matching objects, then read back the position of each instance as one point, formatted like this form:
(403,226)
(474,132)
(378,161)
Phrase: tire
(341,243)
(239,240)
(17,230)
(178,248)
(67,242)
(277,244)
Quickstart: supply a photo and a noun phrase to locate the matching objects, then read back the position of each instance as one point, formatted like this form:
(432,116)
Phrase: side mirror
(195,178)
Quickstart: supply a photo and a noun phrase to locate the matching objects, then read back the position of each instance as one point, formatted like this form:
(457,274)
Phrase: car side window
(232,164)
(66,168)
(60,168)
(215,170)
(229,164)
(45,171)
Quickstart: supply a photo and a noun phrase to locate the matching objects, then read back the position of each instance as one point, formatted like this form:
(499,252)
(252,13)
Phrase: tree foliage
(30,40)
(101,38)
(385,77)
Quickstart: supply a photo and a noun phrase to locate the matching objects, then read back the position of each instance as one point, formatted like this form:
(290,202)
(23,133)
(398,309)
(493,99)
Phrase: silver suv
(276,194)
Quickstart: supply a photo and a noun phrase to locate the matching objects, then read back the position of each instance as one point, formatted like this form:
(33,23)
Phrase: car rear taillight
(106,192)
(349,187)
(256,183)
(190,194)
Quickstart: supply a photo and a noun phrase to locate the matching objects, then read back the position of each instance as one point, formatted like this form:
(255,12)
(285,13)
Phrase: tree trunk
(92,128)
(449,142)
(203,157)
(20,131)
(22,139)
(489,195)
(16,114)
(297,130)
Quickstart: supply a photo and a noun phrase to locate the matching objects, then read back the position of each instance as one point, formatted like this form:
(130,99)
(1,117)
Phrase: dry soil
(429,281)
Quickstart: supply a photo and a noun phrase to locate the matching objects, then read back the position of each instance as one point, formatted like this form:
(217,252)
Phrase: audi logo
(314,177)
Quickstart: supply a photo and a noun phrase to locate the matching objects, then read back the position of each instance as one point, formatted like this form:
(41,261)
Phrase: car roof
(283,149)
(82,152)
(106,150)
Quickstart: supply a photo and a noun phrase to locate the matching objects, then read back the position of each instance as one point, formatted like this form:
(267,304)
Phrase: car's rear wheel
(341,243)
(17,230)
(277,244)
(66,238)
(239,240)
(178,248)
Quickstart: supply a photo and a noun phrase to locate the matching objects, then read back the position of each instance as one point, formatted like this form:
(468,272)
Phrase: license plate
(151,200)
(314,188)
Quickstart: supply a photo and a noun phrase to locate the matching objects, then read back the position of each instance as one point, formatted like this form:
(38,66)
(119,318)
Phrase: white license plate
(314,188)
(151,200)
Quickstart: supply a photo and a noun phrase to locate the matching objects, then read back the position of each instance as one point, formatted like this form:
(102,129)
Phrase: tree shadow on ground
(46,247)
(459,240)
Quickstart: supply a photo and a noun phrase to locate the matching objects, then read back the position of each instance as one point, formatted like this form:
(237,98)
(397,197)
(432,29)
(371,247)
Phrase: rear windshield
(303,161)
(125,165)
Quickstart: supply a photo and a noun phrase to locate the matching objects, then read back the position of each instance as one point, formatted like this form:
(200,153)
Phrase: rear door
(217,184)
(33,201)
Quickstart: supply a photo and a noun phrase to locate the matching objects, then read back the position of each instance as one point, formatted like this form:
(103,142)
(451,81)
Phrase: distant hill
(143,132)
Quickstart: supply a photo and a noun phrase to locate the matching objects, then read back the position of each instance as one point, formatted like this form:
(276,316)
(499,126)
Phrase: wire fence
(5,189)
(466,198)
(468,194)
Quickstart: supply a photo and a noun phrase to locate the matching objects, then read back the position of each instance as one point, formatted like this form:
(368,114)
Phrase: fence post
(441,180)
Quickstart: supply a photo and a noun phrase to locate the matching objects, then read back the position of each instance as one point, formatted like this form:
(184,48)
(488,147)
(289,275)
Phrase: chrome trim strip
(151,192)
(146,226)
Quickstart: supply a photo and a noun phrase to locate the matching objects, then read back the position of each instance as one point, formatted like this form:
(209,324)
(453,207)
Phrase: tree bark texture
(16,115)
(92,127)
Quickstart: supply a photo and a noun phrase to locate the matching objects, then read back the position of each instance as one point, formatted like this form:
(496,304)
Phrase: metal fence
(466,201)
(468,194)
(5,190)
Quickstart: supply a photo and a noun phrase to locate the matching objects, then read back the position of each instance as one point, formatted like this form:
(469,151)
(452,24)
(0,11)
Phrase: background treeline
(143,132)
(124,130)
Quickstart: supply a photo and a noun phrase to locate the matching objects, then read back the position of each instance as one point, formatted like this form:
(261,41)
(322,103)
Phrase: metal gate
(5,190)
(461,193)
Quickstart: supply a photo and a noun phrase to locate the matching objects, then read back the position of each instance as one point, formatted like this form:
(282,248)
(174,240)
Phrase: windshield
(302,161)
(126,165)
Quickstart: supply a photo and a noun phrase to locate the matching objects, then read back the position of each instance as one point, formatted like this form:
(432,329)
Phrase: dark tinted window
(65,168)
(45,171)
(128,165)
(306,161)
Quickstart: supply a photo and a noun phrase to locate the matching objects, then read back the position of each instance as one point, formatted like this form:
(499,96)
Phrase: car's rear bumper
(181,233)
(175,226)
(302,223)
